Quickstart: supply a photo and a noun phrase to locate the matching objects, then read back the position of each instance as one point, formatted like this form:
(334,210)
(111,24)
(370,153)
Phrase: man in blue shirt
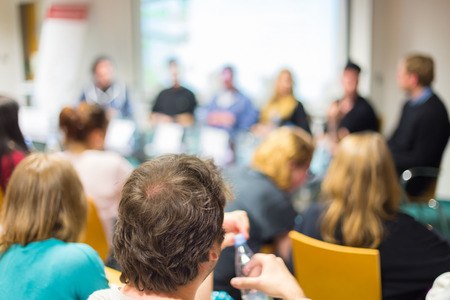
(230,109)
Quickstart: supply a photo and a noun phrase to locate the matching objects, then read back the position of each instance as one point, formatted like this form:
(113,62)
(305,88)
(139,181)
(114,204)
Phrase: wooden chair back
(328,271)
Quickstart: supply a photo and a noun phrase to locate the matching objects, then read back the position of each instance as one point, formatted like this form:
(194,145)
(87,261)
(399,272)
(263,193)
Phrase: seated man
(423,130)
(175,104)
(351,113)
(170,231)
(107,91)
(230,109)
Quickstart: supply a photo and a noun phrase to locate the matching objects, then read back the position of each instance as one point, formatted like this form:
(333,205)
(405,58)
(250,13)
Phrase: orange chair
(1,198)
(328,271)
(113,276)
(95,234)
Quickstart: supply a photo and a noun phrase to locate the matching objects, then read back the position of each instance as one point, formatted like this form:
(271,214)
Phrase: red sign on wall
(68,11)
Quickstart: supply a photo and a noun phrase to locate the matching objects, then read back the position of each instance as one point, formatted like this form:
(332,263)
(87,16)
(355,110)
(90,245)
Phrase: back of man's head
(422,66)
(170,216)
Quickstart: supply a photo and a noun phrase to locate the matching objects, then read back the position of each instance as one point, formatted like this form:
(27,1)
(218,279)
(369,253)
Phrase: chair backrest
(328,271)
(95,234)
(113,276)
(419,183)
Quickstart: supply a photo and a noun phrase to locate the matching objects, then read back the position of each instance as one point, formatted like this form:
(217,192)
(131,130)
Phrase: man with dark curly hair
(171,227)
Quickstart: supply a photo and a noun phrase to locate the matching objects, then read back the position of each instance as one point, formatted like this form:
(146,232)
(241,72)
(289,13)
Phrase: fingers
(228,240)
(257,262)
(237,222)
(242,223)
(245,282)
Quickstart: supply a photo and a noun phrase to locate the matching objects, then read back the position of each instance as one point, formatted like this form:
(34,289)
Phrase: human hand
(234,223)
(268,274)
(221,118)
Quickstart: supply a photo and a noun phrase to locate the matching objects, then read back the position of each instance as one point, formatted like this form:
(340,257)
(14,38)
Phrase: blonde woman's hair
(277,84)
(283,105)
(44,199)
(362,189)
(283,146)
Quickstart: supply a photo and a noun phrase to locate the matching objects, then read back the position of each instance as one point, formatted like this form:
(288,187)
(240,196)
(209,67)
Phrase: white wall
(110,31)
(11,66)
(400,27)
(360,41)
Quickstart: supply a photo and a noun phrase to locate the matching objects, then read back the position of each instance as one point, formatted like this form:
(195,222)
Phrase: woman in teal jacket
(43,216)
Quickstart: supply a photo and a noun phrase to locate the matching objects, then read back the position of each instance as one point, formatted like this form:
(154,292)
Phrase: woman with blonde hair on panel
(264,191)
(102,173)
(283,108)
(360,208)
(43,216)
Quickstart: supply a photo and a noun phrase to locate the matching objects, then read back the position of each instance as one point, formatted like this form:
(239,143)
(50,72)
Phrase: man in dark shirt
(351,113)
(423,130)
(175,104)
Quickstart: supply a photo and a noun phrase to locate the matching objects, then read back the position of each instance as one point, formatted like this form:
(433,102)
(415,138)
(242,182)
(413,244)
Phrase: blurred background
(47,48)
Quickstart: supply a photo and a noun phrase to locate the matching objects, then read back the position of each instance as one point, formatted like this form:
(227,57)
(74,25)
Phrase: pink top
(102,174)
(9,162)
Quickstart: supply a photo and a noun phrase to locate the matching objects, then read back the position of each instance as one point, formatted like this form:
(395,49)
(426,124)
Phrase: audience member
(361,196)
(230,109)
(423,130)
(283,108)
(175,104)
(351,113)
(170,228)
(101,172)
(264,191)
(12,144)
(43,215)
(107,91)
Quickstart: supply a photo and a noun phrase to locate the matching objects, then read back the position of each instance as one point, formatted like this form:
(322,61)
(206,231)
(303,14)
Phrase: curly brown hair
(170,216)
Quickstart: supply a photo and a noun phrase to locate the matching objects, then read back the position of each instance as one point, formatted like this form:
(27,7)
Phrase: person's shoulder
(433,110)
(84,263)
(309,222)
(242,96)
(163,93)
(299,104)
(232,172)
(104,156)
(105,294)
(362,101)
(405,225)
(314,210)
(185,90)
(436,101)
(363,104)
(80,254)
